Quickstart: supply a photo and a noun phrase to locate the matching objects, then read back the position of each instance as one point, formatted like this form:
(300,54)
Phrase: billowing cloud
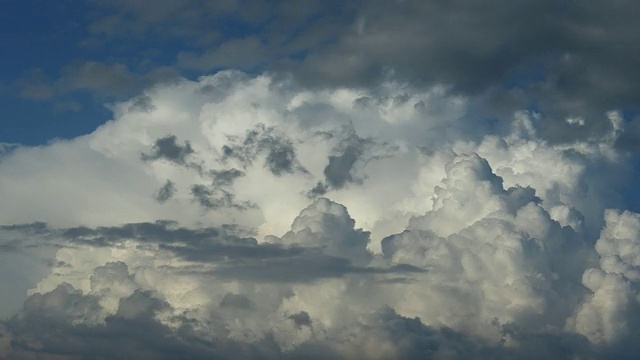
(242,216)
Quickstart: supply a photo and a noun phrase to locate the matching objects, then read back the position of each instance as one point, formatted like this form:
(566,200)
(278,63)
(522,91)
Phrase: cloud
(328,225)
(477,50)
(241,54)
(280,153)
(536,54)
(95,76)
(103,80)
(166,148)
(184,228)
(611,312)
(165,192)
(35,86)
(567,61)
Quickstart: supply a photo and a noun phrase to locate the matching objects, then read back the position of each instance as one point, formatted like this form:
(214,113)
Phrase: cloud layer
(242,216)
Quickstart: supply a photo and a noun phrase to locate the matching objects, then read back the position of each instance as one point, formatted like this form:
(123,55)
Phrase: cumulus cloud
(242,216)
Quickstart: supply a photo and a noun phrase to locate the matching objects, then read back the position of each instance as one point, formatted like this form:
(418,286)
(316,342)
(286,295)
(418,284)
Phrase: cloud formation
(569,61)
(242,216)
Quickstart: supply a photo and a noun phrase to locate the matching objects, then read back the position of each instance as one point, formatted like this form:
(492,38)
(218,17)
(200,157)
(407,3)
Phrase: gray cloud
(338,171)
(280,155)
(215,197)
(239,257)
(39,332)
(557,56)
(233,249)
(243,54)
(301,319)
(142,103)
(165,192)
(305,268)
(225,177)
(167,148)
(33,228)
(382,334)
(238,301)
(351,154)
(158,232)
(103,80)
(566,59)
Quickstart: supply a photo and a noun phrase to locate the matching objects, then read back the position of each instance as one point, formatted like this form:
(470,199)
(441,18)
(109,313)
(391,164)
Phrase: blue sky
(39,35)
(46,41)
(319,179)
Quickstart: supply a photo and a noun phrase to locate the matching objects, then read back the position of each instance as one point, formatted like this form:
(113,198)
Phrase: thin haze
(320,180)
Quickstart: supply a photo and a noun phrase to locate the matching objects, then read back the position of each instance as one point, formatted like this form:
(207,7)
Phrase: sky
(262,179)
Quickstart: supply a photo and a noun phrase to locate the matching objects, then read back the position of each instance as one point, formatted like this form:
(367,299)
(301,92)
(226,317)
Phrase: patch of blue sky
(34,123)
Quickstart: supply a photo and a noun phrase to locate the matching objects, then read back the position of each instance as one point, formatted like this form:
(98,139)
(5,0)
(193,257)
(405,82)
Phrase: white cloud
(488,238)
(611,312)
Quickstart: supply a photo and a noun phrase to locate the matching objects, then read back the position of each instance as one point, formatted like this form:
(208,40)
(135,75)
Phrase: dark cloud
(232,249)
(200,245)
(299,269)
(216,197)
(63,322)
(158,232)
(319,190)
(352,153)
(143,337)
(306,267)
(167,148)
(237,301)
(338,171)
(64,303)
(40,330)
(142,103)
(301,319)
(47,328)
(241,258)
(39,333)
(462,43)
(565,59)
(280,158)
(140,305)
(225,177)
(165,192)
(280,155)
(33,228)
